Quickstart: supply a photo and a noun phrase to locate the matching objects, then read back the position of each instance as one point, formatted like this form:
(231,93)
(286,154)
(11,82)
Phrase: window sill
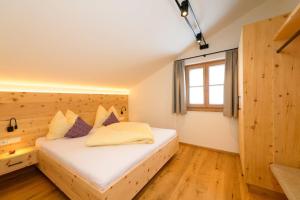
(205,109)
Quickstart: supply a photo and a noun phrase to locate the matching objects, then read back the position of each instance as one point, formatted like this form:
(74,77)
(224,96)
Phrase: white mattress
(101,165)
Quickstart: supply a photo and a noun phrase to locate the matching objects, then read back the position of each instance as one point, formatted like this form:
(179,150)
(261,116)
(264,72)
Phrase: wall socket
(10,141)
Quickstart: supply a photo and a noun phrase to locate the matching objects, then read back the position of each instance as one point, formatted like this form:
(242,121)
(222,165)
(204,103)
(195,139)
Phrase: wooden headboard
(34,111)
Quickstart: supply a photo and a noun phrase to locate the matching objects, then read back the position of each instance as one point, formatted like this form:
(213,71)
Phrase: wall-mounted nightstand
(20,159)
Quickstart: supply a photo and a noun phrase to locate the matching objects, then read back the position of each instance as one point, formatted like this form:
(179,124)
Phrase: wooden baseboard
(266,192)
(211,149)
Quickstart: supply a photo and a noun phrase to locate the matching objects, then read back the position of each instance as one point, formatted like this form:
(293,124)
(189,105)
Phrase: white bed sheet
(102,165)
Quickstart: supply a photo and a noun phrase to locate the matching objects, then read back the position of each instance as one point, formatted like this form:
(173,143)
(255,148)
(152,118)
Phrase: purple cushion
(79,129)
(111,119)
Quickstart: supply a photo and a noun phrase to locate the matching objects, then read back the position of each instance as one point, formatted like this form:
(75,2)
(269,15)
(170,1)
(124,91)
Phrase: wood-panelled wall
(34,111)
(270,111)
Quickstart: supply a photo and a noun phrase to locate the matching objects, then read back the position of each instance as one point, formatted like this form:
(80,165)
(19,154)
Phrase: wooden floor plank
(194,173)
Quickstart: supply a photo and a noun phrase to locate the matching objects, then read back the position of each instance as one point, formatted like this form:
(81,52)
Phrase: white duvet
(121,133)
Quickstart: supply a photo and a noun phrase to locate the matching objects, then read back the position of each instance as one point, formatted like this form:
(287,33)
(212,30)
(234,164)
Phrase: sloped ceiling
(101,43)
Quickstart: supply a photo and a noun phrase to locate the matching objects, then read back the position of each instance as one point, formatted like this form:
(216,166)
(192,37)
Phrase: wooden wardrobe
(269,110)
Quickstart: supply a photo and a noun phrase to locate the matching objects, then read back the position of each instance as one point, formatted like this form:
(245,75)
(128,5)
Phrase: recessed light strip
(58,88)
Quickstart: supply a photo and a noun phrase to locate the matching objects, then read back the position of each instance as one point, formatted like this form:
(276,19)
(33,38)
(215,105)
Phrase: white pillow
(58,126)
(71,117)
(113,109)
(101,116)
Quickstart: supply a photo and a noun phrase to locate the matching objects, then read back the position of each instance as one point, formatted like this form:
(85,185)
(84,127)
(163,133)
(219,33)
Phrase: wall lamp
(123,109)
(186,8)
(12,125)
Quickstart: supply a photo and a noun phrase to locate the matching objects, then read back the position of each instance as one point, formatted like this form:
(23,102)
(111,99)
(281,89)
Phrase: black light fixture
(123,109)
(12,125)
(199,37)
(186,8)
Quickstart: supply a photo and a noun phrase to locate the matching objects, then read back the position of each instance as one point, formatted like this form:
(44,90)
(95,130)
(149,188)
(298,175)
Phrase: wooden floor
(194,173)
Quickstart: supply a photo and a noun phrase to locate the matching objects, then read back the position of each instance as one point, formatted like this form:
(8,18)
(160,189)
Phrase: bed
(107,172)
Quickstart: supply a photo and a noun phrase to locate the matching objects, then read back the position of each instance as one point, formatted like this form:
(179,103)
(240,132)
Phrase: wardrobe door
(257,107)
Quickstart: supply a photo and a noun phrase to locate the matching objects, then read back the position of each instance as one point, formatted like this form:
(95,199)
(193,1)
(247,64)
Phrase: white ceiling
(213,15)
(101,43)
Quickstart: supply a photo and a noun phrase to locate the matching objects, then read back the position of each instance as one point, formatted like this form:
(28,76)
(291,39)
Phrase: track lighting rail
(184,8)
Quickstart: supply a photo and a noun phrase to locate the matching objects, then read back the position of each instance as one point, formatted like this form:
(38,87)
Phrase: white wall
(151,100)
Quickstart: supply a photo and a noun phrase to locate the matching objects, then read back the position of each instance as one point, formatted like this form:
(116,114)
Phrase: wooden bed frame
(126,187)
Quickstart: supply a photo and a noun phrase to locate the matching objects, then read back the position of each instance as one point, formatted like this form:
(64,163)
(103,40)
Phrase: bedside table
(21,158)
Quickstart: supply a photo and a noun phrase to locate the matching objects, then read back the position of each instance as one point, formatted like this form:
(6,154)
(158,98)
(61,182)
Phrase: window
(205,86)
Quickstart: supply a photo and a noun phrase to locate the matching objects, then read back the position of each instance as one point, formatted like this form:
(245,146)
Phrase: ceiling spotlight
(184,8)
(184,13)
(199,37)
